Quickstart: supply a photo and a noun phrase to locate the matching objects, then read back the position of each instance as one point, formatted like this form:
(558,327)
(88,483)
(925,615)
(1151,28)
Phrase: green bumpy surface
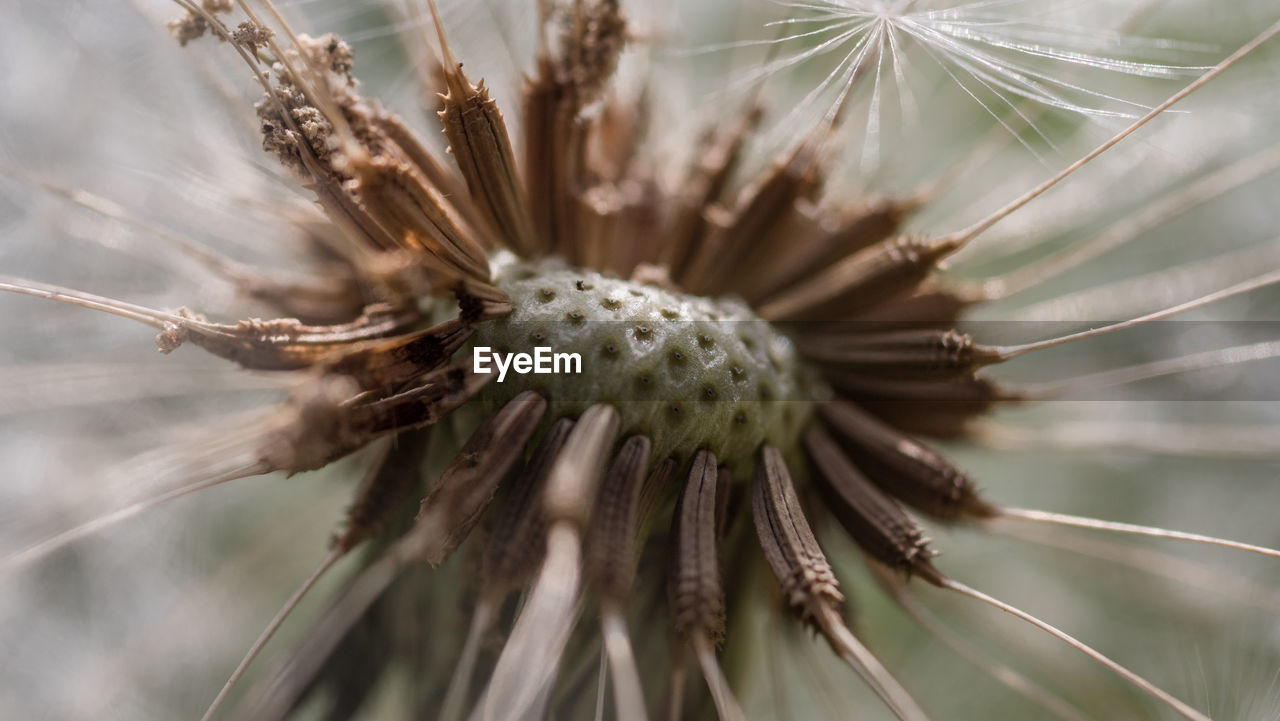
(688,372)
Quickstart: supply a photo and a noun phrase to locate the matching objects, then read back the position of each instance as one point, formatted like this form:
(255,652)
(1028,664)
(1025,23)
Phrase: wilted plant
(764,354)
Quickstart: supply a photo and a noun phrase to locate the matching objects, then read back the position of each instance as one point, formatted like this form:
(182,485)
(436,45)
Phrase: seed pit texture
(746,378)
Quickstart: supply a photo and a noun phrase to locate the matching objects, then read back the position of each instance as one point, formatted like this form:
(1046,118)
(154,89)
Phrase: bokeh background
(144,620)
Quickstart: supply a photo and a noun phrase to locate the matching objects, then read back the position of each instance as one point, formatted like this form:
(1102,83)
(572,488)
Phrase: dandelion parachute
(771,365)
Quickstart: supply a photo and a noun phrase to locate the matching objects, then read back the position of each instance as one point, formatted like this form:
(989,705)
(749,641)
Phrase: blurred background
(144,620)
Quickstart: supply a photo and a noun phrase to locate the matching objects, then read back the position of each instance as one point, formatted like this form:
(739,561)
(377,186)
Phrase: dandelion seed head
(688,372)
(207,180)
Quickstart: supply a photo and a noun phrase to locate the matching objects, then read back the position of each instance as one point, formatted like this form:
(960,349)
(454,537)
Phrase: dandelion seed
(741,333)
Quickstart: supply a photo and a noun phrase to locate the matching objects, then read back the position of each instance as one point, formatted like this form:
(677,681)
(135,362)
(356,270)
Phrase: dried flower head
(763,368)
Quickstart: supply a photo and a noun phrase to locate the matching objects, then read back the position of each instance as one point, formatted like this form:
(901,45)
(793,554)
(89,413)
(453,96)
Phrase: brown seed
(613,541)
(904,468)
(550,164)
(750,241)
(518,541)
(939,409)
(418,216)
(444,519)
(464,490)
(807,581)
(556,134)
(876,523)
(389,483)
(481,146)
(623,124)
(860,227)
(438,394)
(864,348)
(704,186)
(869,277)
(934,304)
(353,219)
(695,589)
(393,362)
(657,491)
(441,176)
